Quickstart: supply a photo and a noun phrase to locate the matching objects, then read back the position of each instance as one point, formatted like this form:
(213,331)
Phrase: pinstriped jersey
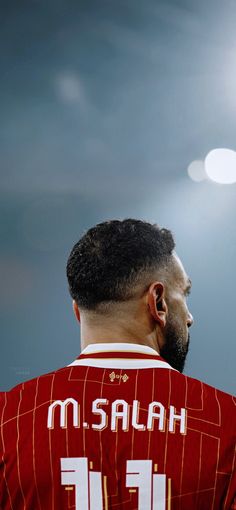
(117,429)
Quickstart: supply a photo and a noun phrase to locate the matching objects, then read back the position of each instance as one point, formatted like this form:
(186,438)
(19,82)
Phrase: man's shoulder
(210,393)
(208,387)
(29,386)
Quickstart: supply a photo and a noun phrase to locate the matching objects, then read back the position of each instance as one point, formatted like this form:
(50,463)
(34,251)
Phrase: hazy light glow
(220,165)
(196,170)
(69,87)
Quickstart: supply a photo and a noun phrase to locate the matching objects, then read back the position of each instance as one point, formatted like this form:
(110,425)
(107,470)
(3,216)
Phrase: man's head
(128,271)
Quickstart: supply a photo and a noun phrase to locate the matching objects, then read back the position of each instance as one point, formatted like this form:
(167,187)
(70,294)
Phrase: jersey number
(89,492)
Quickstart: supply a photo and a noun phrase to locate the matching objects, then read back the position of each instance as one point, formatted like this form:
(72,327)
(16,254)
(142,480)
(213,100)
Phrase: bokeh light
(69,87)
(196,170)
(220,165)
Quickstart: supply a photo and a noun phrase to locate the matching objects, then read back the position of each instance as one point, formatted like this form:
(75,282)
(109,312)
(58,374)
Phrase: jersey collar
(118,347)
(120,355)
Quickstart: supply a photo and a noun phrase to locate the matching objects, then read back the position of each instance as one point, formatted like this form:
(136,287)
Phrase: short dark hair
(109,259)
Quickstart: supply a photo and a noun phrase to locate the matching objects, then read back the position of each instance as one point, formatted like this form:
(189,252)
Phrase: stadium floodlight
(220,166)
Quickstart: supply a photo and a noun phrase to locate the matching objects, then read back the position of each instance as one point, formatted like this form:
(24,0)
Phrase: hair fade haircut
(112,257)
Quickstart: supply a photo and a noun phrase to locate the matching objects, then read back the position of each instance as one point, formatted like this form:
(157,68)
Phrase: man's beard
(176,348)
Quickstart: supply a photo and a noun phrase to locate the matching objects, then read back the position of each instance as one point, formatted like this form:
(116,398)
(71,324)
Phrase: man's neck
(93,337)
(124,329)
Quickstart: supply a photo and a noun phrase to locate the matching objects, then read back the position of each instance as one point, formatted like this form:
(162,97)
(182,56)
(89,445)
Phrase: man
(121,427)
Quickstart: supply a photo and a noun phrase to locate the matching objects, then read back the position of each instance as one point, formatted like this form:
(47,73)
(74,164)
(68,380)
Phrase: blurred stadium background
(108,110)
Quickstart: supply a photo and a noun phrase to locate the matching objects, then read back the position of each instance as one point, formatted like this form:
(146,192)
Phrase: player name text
(119,413)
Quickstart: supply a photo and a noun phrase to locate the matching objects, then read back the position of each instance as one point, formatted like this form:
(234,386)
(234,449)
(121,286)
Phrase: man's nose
(190,320)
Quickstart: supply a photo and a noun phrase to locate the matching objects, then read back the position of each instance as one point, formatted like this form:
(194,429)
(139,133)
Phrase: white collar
(155,360)
(118,346)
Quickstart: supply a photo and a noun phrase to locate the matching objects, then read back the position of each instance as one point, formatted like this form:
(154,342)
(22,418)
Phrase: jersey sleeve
(1,446)
(231,494)
(233,506)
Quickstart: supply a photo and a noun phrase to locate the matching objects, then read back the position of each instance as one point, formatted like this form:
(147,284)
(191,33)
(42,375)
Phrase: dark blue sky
(103,106)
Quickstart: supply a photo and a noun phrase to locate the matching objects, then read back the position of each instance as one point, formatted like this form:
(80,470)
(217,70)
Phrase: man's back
(117,429)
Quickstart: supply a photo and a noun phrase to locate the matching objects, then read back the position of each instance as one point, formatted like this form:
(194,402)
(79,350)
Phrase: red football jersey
(118,429)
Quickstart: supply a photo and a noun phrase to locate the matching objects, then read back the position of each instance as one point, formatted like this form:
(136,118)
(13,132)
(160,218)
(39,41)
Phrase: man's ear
(157,303)
(76,310)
